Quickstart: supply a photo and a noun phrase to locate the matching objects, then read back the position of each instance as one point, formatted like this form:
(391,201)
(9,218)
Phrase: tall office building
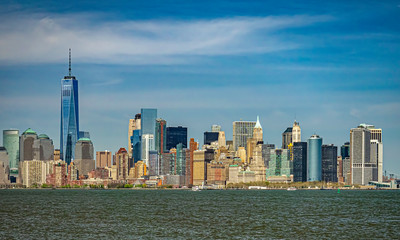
(377,158)
(84,156)
(329,163)
(300,162)
(4,167)
(26,145)
(210,137)
(11,143)
(43,148)
(296,132)
(345,150)
(148,121)
(314,159)
(147,146)
(69,116)
(362,169)
(266,153)
(136,140)
(176,135)
(287,138)
(215,128)
(241,131)
(193,146)
(134,124)
(148,127)
(84,134)
(122,160)
(103,159)
(279,165)
(161,135)
(180,159)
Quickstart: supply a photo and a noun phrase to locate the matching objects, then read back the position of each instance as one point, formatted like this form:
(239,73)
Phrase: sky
(330,65)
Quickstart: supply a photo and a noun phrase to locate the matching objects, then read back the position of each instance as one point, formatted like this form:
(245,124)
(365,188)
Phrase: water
(231,214)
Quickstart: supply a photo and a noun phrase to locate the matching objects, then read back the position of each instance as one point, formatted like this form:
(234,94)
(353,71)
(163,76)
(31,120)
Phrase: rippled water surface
(230,214)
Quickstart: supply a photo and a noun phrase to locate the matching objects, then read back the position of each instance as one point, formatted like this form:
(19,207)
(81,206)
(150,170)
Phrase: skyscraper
(43,148)
(11,143)
(329,163)
(296,132)
(69,116)
(363,170)
(176,135)
(300,161)
(210,137)
(148,130)
(134,124)
(241,131)
(345,150)
(84,153)
(161,135)
(215,128)
(103,159)
(314,158)
(287,137)
(26,145)
(147,146)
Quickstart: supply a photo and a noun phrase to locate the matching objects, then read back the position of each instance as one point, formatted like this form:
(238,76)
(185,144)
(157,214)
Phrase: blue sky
(330,64)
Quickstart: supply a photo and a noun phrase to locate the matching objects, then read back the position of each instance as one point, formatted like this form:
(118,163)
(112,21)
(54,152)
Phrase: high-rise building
(287,137)
(377,158)
(180,159)
(122,160)
(241,131)
(161,135)
(193,146)
(43,148)
(296,132)
(26,145)
(210,137)
(154,163)
(34,172)
(329,163)
(266,153)
(84,156)
(84,134)
(345,150)
(148,121)
(314,158)
(280,164)
(147,146)
(362,169)
(200,160)
(134,124)
(300,162)
(69,116)
(11,143)
(4,167)
(258,132)
(103,159)
(56,154)
(221,139)
(136,141)
(176,135)
(215,128)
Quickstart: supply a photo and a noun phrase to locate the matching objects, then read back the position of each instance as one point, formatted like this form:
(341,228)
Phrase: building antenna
(69,62)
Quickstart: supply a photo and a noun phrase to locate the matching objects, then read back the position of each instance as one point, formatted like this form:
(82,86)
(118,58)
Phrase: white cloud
(46,38)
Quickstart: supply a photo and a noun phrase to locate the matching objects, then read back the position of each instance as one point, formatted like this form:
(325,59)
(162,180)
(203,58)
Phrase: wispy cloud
(45,38)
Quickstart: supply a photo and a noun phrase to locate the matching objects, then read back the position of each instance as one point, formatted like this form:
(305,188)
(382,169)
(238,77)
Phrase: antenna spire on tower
(69,62)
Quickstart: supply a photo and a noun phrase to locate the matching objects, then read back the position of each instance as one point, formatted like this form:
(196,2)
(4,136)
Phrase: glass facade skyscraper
(69,131)
(176,135)
(314,159)
(300,162)
(11,143)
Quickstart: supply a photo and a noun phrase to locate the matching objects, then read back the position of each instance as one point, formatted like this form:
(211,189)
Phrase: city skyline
(199,88)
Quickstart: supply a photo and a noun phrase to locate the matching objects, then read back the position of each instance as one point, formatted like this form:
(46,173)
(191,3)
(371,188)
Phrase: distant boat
(196,188)
(292,189)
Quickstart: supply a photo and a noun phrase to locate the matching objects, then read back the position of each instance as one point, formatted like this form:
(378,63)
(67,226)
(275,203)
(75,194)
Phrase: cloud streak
(45,38)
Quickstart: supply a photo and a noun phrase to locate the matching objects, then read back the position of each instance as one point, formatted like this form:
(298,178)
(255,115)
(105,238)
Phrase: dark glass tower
(176,135)
(69,116)
(210,137)
(300,162)
(329,163)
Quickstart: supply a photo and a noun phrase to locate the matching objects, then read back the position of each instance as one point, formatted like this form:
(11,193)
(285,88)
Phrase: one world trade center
(69,116)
